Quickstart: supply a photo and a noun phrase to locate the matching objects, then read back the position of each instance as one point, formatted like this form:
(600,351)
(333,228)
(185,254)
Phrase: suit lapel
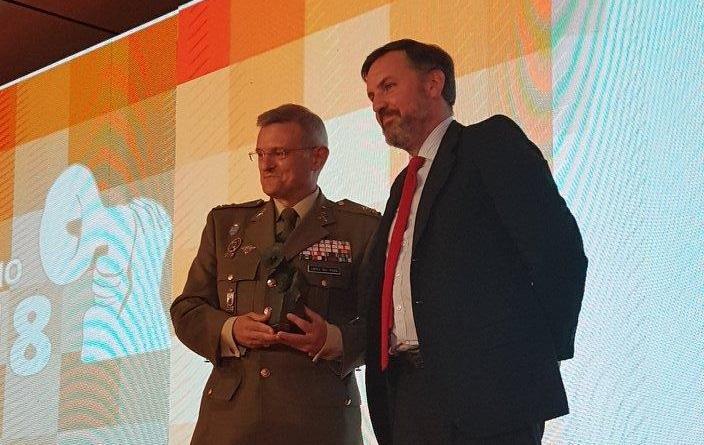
(381,235)
(394,200)
(311,229)
(439,172)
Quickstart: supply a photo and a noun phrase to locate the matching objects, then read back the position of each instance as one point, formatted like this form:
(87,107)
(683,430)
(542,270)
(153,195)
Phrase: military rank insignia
(329,250)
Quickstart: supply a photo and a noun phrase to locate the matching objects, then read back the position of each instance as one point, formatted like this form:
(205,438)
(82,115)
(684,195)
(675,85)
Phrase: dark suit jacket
(275,395)
(497,277)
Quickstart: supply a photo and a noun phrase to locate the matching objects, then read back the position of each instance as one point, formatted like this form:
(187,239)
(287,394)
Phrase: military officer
(271,386)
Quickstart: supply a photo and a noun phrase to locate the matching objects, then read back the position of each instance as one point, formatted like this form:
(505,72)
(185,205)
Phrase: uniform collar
(302,207)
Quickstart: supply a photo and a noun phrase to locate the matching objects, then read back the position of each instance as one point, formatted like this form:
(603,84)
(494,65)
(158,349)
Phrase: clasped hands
(251,331)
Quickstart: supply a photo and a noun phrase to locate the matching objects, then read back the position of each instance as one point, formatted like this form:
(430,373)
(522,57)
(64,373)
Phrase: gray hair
(314,134)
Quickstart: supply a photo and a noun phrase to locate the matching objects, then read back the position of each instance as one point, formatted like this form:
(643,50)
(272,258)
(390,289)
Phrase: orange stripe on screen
(203,39)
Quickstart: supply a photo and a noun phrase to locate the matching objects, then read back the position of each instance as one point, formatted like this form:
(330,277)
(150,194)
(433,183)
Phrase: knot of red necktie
(414,164)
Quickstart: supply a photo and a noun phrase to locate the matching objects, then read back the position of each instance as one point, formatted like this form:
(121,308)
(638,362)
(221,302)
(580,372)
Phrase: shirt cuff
(228,346)
(332,349)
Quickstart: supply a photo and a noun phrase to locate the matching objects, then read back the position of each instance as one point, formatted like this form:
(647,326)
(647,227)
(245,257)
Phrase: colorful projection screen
(110,161)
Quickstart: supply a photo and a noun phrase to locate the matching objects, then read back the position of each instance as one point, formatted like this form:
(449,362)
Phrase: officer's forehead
(280,134)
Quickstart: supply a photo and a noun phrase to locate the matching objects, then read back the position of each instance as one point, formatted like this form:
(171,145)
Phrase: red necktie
(394,249)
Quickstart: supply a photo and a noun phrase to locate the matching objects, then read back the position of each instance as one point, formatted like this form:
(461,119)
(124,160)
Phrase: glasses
(278,153)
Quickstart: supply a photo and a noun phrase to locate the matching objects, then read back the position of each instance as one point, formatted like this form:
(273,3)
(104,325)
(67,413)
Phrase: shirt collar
(302,207)
(432,143)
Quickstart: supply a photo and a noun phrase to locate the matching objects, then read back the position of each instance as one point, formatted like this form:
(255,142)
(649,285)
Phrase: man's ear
(320,155)
(434,82)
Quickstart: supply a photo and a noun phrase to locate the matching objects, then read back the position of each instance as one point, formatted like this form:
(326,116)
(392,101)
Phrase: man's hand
(251,331)
(314,334)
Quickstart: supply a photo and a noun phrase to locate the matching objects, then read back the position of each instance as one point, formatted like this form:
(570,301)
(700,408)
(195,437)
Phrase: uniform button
(348,402)
(398,275)
(404,243)
(271,283)
(398,308)
(324,283)
(230,277)
(210,391)
(265,373)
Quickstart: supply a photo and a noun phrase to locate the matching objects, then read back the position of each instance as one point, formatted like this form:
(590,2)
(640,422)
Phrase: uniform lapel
(260,229)
(311,229)
(439,172)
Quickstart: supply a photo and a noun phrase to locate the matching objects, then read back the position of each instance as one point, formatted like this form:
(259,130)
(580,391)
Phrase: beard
(403,131)
(400,132)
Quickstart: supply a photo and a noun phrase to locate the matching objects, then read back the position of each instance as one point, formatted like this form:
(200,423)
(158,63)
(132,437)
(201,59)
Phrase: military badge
(248,249)
(234,229)
(328,250)
(232,247)
(230,300)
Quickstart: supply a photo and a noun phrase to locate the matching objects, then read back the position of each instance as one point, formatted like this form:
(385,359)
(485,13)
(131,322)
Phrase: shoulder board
(248,204)
(353,207)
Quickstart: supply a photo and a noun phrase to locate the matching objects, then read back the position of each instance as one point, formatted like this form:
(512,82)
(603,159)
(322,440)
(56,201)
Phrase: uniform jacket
(275,395)
(497,278)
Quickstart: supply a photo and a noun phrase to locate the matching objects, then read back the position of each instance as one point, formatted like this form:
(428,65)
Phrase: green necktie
(286,224)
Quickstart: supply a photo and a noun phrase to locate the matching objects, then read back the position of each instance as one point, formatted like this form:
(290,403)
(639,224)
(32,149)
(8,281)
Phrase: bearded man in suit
(277,377)
(477,269)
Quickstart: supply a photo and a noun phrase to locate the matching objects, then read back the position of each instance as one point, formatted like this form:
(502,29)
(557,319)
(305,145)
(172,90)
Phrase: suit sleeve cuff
(332,349)
(228,345)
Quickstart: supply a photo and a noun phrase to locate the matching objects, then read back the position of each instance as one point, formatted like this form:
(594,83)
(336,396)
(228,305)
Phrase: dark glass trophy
(283,292)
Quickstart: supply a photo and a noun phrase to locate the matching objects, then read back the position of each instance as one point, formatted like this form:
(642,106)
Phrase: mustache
(383,114)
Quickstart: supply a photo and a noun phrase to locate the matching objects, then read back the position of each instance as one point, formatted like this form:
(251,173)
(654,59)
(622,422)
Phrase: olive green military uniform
(276,395)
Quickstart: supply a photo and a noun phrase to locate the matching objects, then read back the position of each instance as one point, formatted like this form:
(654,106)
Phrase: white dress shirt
(403,334)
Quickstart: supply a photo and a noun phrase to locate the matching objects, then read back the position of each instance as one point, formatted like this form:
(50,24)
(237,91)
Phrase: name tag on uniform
(316,268)
(329,251)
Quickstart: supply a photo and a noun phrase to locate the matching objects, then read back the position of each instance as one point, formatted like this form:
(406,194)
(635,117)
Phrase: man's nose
(267,161)
(378,104)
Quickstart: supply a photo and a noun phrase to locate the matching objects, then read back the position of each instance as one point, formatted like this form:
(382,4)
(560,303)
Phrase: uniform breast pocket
(328,287)
(238,284)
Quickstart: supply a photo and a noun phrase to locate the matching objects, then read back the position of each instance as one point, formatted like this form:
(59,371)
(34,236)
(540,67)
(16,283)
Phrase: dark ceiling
(37,33)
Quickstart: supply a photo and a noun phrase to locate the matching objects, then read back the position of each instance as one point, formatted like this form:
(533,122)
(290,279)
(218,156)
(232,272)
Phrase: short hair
(423,58)
(314,133)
